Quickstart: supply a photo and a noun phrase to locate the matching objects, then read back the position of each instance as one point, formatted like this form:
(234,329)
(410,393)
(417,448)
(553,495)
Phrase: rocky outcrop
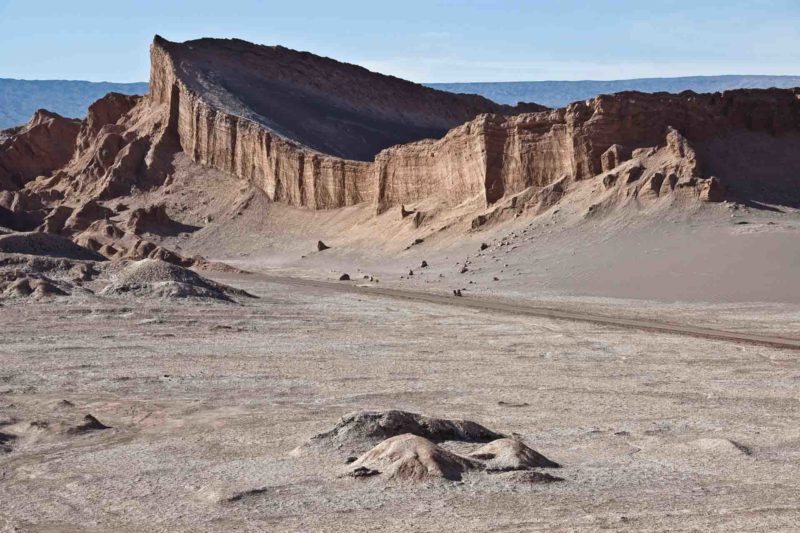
(41,146)
(283,120)
(494,156)
(299,137)
(316,133)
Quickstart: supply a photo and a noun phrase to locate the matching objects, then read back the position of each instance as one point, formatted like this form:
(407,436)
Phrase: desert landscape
(280,292)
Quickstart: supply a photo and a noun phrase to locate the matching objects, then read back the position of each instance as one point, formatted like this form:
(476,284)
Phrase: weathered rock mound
(410,457)
(155,278)
(19,285)
(357,431)
(510,454)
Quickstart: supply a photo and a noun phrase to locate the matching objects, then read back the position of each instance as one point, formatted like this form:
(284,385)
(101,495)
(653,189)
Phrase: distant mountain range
(20,98)
(561,93)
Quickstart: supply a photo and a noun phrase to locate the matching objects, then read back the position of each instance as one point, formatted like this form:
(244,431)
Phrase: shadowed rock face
(41,146)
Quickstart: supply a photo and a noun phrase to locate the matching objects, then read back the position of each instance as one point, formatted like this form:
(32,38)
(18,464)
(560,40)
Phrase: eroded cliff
(495,156)
(315,133)
(302,127)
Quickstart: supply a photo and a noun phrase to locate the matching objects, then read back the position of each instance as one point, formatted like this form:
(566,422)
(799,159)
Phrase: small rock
(528,476)
(362,471)
(90,423)
(344,277)
(322,246)
(424,264)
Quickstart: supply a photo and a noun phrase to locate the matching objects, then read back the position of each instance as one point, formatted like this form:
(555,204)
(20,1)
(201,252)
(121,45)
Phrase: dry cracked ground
(196,407)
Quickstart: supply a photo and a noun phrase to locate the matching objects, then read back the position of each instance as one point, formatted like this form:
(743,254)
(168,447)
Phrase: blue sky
(426,41)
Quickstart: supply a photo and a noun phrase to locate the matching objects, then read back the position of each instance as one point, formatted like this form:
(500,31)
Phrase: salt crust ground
(204,402)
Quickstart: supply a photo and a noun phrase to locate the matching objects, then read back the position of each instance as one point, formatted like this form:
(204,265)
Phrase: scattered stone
(512,404)
(424,264)
(362,471)
(528,476)
(464,269)
(90,423)
(410,272)
(457,292)
(5,442)
(721,446)
(321,246)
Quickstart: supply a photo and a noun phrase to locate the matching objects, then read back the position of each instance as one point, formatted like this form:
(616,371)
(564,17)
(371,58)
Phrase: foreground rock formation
(409,447)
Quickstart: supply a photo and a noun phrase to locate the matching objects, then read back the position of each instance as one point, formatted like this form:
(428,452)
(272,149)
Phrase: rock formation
(494,156)
(510,454)
(357,431)
(316,133)
(44,144)
(409,457)
(300,138)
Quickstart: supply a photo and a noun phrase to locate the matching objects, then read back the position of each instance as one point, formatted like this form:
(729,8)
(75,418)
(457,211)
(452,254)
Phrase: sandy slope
(721,253)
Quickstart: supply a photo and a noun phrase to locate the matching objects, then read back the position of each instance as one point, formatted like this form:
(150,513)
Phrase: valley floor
(205,402)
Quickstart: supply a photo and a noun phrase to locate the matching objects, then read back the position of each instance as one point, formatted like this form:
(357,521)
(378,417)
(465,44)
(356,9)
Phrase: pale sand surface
(207,400)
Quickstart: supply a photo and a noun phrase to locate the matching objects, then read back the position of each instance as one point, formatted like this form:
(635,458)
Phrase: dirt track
(504,306)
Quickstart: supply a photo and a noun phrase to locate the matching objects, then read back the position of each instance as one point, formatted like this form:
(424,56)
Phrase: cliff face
(301,127)
(316,133)
(304,128)
(495,156)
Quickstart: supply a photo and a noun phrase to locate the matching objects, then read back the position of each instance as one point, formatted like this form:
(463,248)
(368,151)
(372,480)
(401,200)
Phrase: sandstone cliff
(301,127)
(312,132)
(494,156)
(304,128)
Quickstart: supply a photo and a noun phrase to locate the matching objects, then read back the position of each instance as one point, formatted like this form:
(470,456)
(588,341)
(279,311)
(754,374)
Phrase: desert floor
(205,401)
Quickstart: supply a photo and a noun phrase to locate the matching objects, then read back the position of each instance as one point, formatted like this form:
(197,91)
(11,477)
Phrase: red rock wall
(494,156)
(489,157)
